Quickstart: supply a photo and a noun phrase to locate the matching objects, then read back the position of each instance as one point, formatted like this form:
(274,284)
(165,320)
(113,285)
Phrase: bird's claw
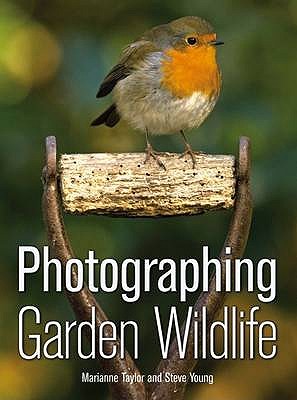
(192,154)
(151,153)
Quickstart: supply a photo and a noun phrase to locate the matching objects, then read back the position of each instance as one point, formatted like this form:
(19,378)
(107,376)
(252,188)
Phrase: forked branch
(83,301)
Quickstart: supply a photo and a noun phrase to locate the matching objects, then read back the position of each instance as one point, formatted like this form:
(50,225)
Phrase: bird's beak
(215,43)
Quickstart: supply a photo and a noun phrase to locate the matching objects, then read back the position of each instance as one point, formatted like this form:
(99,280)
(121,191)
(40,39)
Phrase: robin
(167,81)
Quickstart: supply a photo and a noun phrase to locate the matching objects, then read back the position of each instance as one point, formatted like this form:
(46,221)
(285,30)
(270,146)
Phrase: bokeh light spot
(32,55)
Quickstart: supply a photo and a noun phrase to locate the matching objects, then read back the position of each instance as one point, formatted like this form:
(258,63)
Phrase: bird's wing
(132,55)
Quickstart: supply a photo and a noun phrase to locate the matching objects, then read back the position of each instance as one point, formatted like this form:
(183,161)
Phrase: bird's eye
(191,41)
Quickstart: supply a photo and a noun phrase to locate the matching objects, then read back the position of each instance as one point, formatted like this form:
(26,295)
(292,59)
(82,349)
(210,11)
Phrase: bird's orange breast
(190,70)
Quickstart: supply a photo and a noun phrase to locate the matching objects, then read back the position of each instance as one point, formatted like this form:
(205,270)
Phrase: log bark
(122,185)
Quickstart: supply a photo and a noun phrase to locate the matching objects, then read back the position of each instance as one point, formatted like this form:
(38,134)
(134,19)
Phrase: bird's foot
(189,152)
(151,153)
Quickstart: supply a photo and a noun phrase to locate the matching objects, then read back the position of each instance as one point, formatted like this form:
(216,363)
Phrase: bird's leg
(150,152)
(188,150)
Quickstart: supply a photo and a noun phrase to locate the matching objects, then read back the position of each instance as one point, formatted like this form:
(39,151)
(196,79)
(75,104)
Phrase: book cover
(149,233)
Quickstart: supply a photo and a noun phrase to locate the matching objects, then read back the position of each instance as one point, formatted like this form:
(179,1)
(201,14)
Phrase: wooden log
(122,185)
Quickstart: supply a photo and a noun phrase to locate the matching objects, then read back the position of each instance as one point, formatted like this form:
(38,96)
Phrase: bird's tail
(110,117)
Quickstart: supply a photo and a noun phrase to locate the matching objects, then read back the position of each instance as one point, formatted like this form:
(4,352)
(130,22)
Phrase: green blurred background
(53,55)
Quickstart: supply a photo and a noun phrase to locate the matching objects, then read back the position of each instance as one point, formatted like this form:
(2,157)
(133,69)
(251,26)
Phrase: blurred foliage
(53,55)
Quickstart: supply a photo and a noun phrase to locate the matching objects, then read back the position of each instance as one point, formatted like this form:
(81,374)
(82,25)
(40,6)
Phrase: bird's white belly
(173,115)
(163,114)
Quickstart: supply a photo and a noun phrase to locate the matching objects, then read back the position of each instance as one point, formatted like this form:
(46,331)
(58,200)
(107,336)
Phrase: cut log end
(122,185)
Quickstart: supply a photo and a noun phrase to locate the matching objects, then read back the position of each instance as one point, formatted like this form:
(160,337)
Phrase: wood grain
(122,185)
